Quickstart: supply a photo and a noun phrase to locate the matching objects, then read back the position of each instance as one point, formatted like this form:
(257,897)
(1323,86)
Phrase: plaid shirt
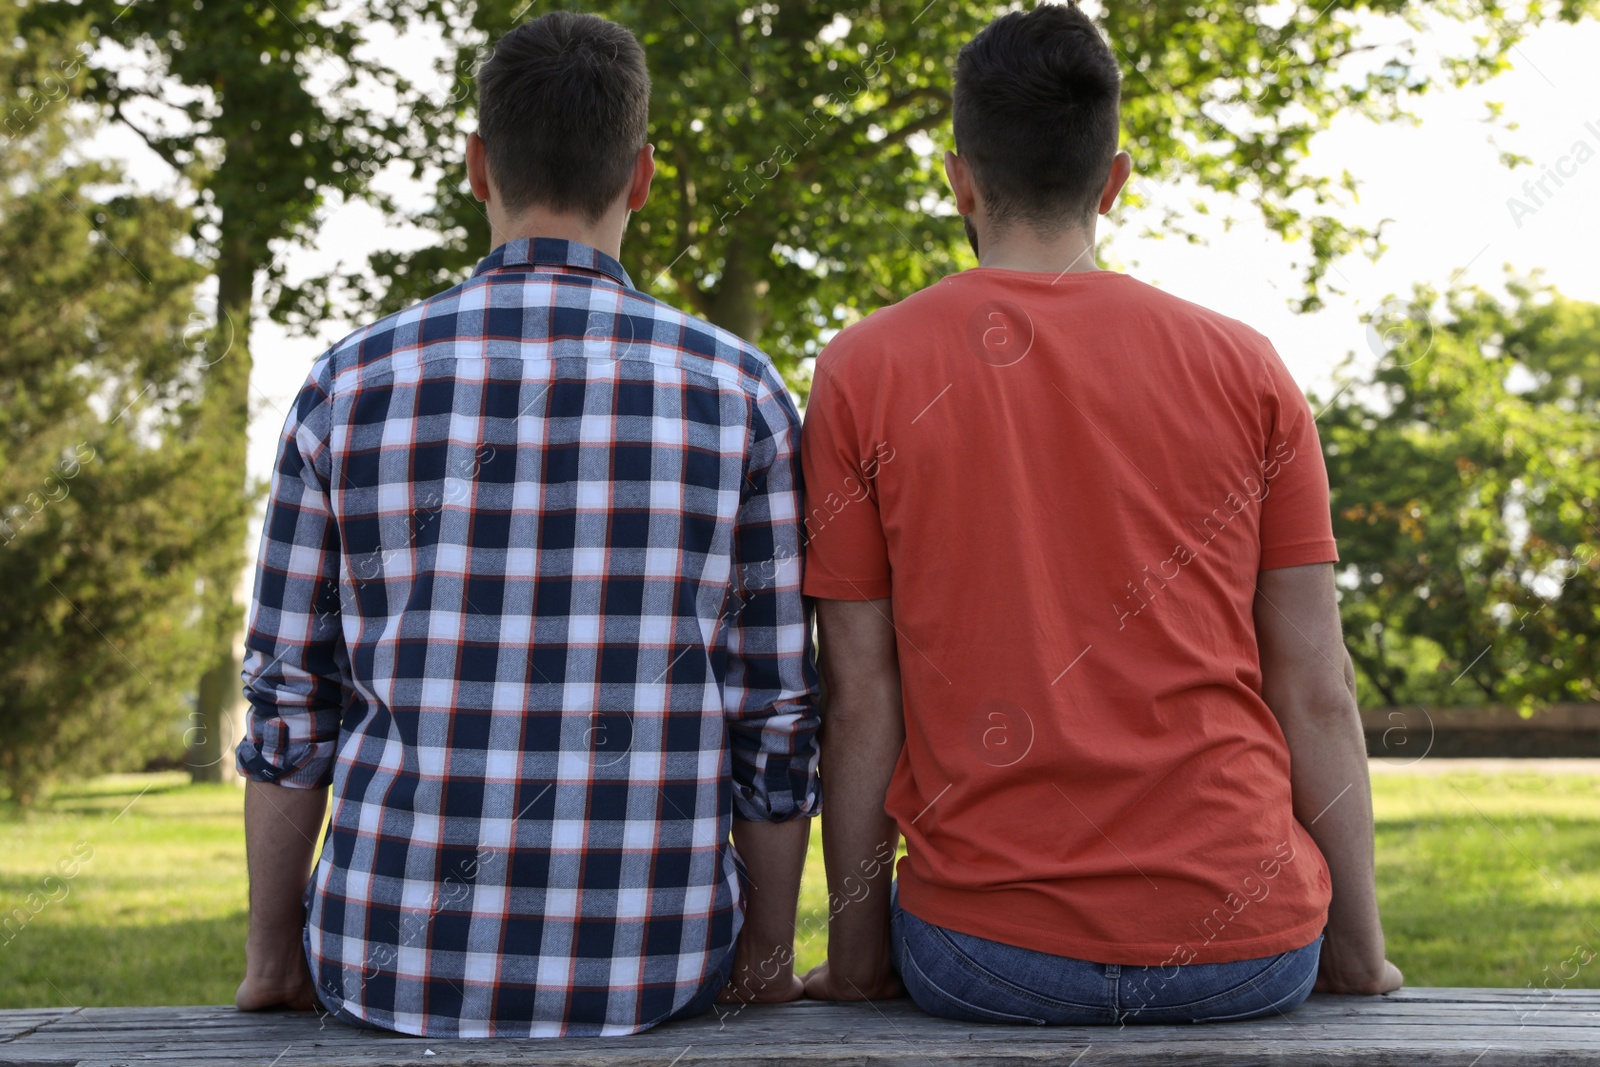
(528,597)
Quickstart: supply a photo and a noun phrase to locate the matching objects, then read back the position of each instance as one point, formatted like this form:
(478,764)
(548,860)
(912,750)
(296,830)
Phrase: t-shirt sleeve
(847,556)
(1296,522)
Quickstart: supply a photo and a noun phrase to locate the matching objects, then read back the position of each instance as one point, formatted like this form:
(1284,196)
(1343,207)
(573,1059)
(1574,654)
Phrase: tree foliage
(798,145)
(101,535)
(1466,474)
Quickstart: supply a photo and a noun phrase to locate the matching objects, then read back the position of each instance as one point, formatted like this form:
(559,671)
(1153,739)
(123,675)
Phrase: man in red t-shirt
(1071,546)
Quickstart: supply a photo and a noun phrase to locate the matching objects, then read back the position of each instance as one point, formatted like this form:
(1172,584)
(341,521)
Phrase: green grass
(1486,880)
(155,916)
(1491,880)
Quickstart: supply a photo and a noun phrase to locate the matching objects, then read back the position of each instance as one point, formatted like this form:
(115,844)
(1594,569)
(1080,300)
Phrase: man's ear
(960,174)
(644,169)
(478,167)
(1121,168)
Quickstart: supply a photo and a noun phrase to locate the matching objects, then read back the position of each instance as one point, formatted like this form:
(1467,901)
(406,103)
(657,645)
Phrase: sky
(1440,185)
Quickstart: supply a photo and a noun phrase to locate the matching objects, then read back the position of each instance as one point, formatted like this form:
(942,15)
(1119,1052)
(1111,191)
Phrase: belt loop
(1113,971)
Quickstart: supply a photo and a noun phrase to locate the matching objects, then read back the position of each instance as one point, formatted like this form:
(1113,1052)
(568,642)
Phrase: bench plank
(1456,1027)
(16,1023)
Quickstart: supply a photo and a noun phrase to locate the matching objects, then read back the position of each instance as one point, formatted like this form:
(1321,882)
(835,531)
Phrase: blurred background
(198,196)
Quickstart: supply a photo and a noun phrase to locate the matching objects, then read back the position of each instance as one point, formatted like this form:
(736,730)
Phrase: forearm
(774,855)
(1333,801)
(281,828)
(862,738)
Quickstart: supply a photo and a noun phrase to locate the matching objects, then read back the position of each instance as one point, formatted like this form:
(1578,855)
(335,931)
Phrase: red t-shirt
(1068,486)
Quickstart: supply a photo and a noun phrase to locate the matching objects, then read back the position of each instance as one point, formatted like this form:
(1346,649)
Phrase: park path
(1437,766)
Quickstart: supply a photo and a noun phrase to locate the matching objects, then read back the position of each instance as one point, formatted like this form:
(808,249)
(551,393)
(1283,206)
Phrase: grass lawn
(1485,880)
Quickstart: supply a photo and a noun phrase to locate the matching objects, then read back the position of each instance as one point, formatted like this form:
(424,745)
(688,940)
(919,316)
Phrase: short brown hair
(563,109)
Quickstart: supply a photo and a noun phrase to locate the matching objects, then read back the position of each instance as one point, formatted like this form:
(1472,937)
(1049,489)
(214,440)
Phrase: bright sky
(1440,184)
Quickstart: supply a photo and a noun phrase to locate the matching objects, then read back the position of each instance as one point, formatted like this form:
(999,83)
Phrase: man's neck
(603,234)
(1021,248)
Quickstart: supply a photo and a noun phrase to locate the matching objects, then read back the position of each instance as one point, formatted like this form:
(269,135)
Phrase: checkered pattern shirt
(528,598)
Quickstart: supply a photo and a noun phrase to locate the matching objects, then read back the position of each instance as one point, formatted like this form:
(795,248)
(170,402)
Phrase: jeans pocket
(935,1000)
(1245,989)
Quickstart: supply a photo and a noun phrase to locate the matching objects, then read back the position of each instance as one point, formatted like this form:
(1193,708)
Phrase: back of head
(563,109)
(1036,116)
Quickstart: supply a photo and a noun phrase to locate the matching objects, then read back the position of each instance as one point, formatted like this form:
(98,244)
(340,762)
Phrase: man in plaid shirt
(528,599)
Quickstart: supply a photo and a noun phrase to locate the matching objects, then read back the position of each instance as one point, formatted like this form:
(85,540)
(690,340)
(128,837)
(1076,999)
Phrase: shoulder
(700,346)
(1178,310)
(400,332)
(1230,344)
(642,327)
(870,341)
(923,310)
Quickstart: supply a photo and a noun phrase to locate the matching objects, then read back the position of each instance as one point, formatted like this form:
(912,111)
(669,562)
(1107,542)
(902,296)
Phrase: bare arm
(770,687)
(774,855)
(862,735)
(1309,683)
(280,828)
(296,678)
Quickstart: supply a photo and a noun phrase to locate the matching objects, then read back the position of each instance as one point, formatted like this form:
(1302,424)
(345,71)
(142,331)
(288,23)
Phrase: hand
(768,983)
(823,983)
(753,989)
(284,981)
(294,992)
(1330,980)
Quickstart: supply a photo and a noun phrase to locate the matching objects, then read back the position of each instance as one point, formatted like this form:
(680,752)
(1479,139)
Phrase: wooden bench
(1460,1027)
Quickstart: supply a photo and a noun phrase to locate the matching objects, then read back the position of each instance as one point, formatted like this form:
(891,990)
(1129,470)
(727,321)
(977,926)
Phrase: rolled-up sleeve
(770,689)
(296,673)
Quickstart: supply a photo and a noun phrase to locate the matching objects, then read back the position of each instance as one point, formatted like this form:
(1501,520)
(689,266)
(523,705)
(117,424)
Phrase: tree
(799,184)
(1465,470)
(228,94)
(101,539)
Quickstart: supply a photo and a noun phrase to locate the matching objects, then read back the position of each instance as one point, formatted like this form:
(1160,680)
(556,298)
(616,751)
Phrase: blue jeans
(958,976)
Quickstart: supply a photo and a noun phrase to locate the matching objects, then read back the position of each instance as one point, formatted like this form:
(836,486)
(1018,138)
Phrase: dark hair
(563,109)
(1036,115)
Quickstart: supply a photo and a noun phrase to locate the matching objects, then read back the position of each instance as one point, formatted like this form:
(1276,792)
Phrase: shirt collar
(553,252)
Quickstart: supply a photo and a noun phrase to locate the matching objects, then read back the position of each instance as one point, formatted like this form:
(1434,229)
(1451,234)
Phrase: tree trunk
(224,426)
(736,305)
